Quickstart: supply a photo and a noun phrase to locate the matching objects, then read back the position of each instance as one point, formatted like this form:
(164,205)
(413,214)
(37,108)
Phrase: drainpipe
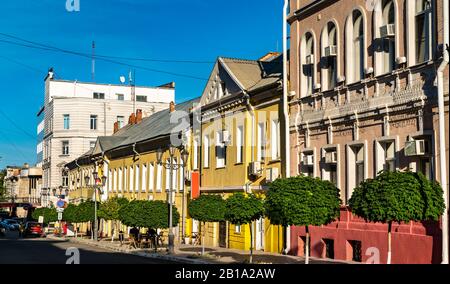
(442,133)
(286,148)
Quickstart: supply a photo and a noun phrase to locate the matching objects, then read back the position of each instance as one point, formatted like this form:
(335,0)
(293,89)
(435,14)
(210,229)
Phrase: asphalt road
(15,250)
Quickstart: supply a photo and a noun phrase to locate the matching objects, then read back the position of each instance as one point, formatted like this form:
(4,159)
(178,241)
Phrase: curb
(137,253)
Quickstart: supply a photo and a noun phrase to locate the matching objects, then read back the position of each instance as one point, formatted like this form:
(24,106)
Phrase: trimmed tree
(397,197)
(148,214)
(207,208)
(109,210)
(302,201)
(243,209)
(50,215)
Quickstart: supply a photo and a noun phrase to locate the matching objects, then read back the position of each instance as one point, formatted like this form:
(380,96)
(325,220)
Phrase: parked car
(33,229)
(3,229)
(13,225)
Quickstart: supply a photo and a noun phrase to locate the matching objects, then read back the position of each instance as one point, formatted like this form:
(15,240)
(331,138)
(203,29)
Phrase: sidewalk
(213,255)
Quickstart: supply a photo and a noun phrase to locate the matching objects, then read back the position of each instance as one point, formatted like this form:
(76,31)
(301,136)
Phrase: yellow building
(240,143)
(136,162)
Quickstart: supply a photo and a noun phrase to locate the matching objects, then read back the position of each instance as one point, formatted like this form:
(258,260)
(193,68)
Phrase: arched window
(355,47)
(307,64)
(419,30)
(329,56)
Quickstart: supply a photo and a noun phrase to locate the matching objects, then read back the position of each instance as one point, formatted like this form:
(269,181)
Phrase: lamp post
(171,166)
(97,184)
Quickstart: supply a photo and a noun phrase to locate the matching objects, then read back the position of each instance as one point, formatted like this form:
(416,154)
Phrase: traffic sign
(41,219)
(59,216)
(60,210)
(61,203)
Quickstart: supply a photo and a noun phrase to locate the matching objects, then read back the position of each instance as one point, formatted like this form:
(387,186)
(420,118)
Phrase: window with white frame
(356,165)
(195,154)
(423,30)
(307,160)
(159,171)
(119,181)
(126,179)
(240,144)
(308,63)
(175,175)
(168,176)
(65,148)
(388,41)
(261,142)
(151,177)
(144,185)
(181,175)
(131,179)
(388,149)
(110,180)
(330,166)
(115,184)
(275,139)
(329,54)
(221,150)
(137,178)
(206,156)
(355,47)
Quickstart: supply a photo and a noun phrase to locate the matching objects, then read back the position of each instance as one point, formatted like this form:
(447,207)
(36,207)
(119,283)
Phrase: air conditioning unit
(308,160)
(416,148)
(272,174)
(226,137)
(387,31)
(331,157)
(254,169)
(310,59)
(331,51)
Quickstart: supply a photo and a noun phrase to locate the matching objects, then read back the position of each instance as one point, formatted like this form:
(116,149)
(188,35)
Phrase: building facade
(239,144)
(75,114)
(364,99)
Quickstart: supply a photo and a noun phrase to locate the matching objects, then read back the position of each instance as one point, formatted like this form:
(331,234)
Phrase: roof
(254,74)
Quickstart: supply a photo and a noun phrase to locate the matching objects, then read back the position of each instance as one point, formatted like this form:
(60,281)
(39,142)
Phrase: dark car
(33,229)
(3,229)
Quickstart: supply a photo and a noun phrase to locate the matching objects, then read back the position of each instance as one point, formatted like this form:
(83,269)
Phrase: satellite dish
(122,79)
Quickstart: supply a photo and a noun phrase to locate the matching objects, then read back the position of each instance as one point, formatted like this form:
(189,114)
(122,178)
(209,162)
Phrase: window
(65,147)
(308,163)
(240,144)
(195,154)
(92,144)
(126,179)
(328,248)
(141,98)
(389,156)
(221,150)
(119,180)
(359,165)
(356,167)
(132,179)
(168,177)
(99,96)
(261,142)
(425,167)
(175,176)
(237,229)
(110,180)
(358,44)
(116,178)
(206,157)
(181,171)
(355,249)
(329,166)
(66,121)
(159,171)
(121,121)
(423,30)
(65,180)
(275,139)
(329,51)
(137,178)
(308,63)
(151,177)
(388,43)
(144,177)
(93,121)
(120,97)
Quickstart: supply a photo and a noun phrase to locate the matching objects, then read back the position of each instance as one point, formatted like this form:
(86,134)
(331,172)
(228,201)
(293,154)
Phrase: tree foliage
(243,209)
(71,214)
(398,197)
(208,208)
(148,214)
(50,215)
(109,210)
(302,201)
(86,211)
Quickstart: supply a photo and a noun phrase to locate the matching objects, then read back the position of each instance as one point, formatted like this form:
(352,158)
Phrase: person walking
(121,237)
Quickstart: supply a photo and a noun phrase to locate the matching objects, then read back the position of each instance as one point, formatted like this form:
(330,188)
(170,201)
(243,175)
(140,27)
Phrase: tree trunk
(251,242)
(202,229)
(389,242)
(307,245)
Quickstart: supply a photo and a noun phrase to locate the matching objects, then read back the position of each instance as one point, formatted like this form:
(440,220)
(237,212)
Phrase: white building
(75,114)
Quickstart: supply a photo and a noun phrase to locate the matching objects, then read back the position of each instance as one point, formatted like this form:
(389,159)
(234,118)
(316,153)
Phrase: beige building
(363,85)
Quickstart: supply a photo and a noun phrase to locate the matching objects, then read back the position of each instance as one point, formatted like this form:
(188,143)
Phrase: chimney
(116,126)
(138,116)
(132,119)
(172,107)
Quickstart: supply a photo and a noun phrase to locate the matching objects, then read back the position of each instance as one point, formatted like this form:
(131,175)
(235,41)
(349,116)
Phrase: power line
(16,125)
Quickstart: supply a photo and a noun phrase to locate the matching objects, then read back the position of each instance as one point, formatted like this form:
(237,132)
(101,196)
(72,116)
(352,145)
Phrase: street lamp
(97,184)
(171,166)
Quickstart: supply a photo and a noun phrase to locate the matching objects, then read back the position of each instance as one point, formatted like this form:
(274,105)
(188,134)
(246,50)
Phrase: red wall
(413,242)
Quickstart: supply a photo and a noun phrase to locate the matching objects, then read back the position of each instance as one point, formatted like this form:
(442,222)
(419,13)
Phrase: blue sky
(195,30)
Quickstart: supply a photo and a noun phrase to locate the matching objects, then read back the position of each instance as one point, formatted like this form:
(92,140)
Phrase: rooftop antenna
(132,79)
(93,61)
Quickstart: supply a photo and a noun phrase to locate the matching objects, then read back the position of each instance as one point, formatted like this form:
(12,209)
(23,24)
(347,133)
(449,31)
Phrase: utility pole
(132,80)
(93,61)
